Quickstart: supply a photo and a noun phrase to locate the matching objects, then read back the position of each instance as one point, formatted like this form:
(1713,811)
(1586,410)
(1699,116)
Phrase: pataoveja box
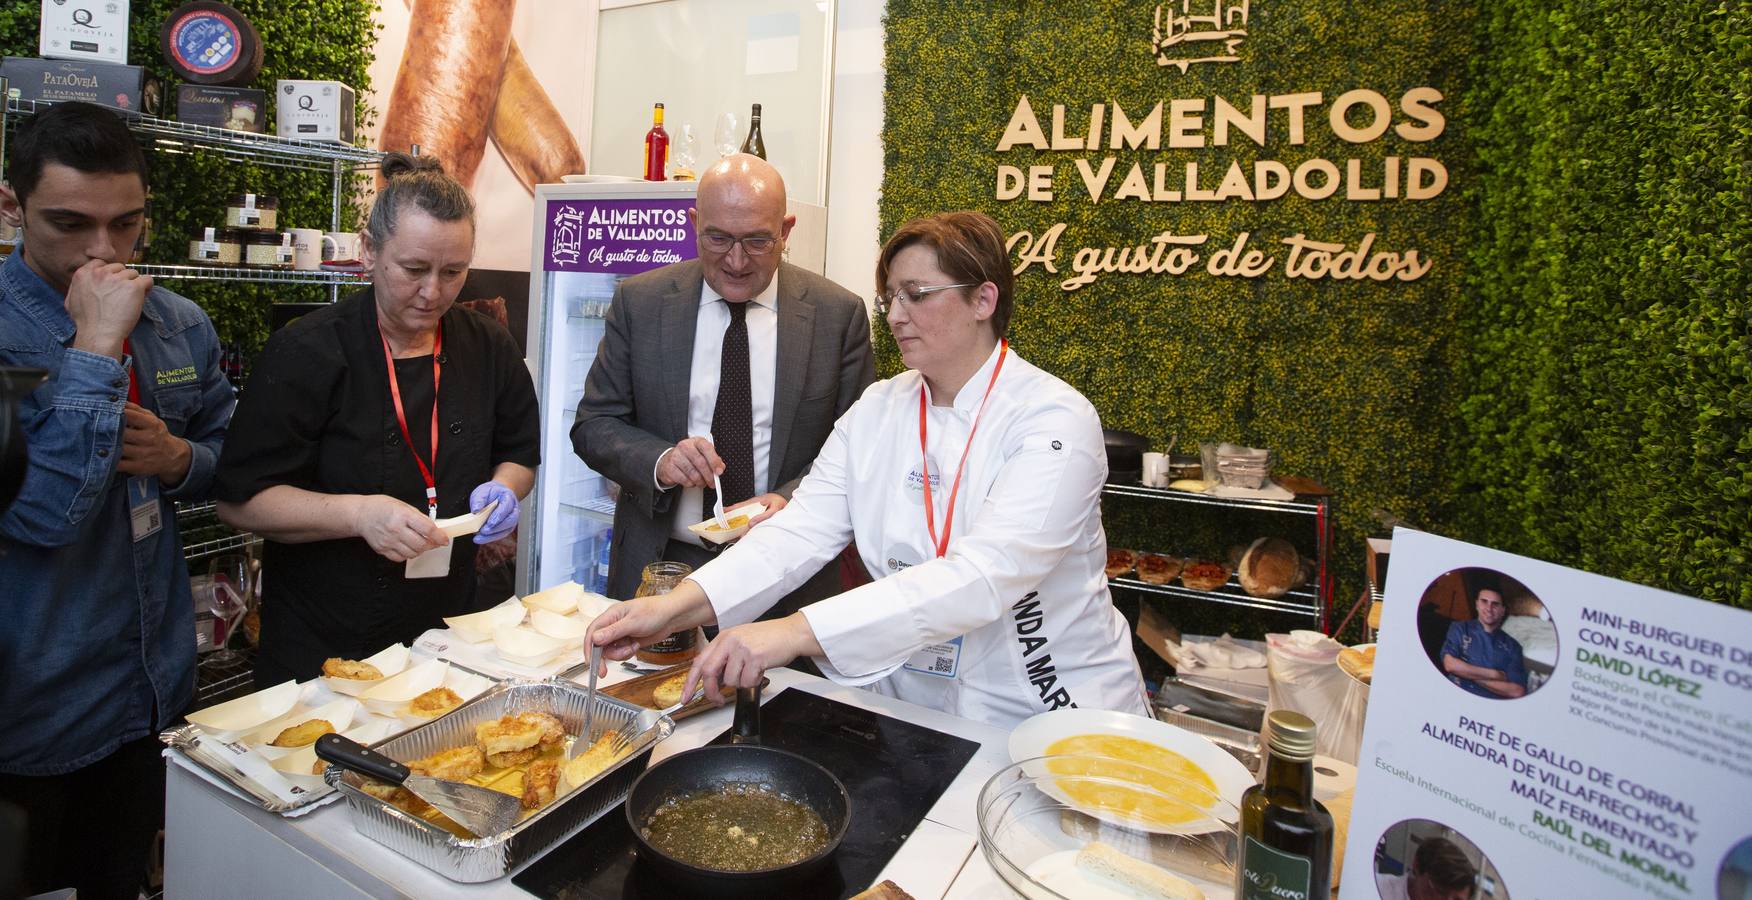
(55,80)
(314,110)
(95,30)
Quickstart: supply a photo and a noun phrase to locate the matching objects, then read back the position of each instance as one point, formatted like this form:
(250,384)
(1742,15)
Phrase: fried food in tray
(593,761)
(1120,562)
(435,702)
(1157,568)
(514,740)
(1204,575)
(541,783)
(335,667)
(303,734)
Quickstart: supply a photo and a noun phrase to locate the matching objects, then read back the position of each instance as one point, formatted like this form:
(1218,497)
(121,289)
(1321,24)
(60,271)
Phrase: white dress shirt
(762,321)
(1015,619)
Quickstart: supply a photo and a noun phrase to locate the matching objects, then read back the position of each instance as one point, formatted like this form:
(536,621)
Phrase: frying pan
(743,760)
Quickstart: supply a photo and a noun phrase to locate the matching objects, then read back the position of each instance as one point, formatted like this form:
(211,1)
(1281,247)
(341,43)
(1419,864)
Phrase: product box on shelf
(314,110)
(239,109)
(127,88)
(95,30)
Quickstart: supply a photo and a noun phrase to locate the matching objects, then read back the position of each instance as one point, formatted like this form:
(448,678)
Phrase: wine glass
(727,137)
(233,592)
(687,150)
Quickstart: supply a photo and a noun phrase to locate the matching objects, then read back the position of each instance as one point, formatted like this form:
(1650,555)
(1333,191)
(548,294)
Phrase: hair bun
(397,164)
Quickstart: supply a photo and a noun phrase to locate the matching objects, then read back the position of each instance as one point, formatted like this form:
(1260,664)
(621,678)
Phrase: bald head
(741,199)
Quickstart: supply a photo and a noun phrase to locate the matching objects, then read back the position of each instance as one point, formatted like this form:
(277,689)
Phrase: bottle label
(1268,873)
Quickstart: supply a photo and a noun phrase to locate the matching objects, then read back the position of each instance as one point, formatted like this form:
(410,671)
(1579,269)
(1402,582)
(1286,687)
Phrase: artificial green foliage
(1607,419)
(1350,383)
(324,39)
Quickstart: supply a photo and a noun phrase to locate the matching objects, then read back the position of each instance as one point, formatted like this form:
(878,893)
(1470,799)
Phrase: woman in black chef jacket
(365,421)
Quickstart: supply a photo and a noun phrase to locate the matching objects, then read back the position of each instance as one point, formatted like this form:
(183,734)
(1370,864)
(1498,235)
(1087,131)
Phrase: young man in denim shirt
(97,650)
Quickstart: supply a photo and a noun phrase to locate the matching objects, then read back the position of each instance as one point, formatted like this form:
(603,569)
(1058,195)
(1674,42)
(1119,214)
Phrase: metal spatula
(484,811)
(582,741)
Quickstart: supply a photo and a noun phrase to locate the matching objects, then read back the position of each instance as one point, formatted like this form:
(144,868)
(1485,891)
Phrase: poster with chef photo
(1539,733)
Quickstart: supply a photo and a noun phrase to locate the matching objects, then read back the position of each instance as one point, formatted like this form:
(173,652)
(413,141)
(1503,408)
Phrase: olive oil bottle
(1286,835)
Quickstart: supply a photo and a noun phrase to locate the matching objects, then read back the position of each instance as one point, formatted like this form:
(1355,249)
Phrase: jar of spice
(216,246)
(253,211)
(661,577)
(268,249)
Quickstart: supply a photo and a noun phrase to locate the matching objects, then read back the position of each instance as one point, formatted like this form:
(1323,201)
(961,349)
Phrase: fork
(589,705)
(718,501)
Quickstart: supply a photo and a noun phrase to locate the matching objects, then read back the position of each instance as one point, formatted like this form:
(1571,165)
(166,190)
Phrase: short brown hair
(970,247)
(1445,864)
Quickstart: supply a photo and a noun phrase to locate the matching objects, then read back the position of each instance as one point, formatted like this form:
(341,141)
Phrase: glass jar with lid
(661,577)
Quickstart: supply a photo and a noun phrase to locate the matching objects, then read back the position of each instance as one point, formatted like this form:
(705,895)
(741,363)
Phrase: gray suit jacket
(635,398)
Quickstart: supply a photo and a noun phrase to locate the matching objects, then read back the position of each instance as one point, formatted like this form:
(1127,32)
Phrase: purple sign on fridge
(617,237)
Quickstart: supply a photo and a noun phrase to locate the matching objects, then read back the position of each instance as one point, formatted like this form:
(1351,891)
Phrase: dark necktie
(733,416)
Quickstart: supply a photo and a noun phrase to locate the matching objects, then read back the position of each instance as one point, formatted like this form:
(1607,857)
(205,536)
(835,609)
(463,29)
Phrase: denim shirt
(97,635)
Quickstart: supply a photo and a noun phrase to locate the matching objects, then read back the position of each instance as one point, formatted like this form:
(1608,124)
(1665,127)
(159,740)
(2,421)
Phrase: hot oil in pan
(741,828)
(894,771)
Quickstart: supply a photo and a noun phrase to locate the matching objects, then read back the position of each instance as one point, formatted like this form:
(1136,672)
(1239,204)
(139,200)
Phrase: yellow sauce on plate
(1180,791)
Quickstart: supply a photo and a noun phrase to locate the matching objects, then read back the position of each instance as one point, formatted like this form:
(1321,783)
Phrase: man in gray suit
(734,363)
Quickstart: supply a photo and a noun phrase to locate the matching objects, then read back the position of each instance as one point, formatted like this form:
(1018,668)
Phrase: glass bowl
(1037,816)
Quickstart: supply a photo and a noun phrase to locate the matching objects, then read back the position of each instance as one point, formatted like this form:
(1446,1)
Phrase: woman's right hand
(396,531)
(630,624)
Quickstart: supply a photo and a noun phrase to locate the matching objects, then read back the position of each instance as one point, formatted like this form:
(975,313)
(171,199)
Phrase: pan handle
(746,729)
(353,756)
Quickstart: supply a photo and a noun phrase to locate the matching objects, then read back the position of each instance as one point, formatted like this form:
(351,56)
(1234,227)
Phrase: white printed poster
(1539,733)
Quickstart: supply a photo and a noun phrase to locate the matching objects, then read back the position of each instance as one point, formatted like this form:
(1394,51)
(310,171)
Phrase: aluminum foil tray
(484,859)
(186,740)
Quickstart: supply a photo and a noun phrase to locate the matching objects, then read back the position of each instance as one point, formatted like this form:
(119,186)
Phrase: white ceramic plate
(710,531)
(390,661)
(1034,735)
(234,717)
(392,694)
(526,646)
(340,713)
(296,766)
(477,628)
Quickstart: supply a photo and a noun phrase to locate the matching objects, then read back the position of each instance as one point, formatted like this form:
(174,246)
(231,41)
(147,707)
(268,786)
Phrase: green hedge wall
(1350,383)
(1607,421)
(328,39)
(1571,381)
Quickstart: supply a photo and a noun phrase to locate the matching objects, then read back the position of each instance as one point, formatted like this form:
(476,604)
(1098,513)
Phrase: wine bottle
(754,143)
(656,147)
(1286,835)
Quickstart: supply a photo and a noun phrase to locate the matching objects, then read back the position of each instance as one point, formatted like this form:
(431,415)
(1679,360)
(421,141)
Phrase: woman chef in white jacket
(971,484)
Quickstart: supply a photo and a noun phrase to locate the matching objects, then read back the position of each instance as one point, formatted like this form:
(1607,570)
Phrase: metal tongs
(585,738)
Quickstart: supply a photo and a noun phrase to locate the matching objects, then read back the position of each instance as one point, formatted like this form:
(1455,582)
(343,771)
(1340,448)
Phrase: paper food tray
(484,859)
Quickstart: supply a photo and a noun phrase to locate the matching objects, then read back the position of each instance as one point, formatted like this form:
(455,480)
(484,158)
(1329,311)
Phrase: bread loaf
(1269,567)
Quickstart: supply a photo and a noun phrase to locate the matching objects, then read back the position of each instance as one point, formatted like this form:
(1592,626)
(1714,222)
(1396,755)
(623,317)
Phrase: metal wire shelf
(204,535)
(271,276)
(216,683)
(1306,602)
(1154,493)
(247,146)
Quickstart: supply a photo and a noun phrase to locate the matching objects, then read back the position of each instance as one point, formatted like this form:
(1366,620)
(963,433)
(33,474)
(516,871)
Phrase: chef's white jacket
(1015,619)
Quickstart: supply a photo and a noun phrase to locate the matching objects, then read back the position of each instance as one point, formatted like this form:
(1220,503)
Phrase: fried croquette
(382,790)
(455,764)
(511,758)
(435,702)
(593,761)
(668,693)
(519,732)
(540,783)
(335,667)
(303,734)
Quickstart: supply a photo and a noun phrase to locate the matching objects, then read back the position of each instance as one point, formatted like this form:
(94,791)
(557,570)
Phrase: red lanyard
(401,417)
(942,543)
(133,385)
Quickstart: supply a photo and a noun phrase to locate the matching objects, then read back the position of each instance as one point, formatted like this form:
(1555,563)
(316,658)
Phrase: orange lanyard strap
(942,543)
(401,416)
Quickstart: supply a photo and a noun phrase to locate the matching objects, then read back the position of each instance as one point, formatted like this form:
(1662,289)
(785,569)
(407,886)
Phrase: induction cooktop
(894,771)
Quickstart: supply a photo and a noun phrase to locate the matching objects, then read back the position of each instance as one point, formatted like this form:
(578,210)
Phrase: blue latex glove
(504,517)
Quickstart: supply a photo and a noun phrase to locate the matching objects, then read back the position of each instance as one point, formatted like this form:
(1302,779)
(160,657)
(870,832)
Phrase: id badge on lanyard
(145,513)
(434,563)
